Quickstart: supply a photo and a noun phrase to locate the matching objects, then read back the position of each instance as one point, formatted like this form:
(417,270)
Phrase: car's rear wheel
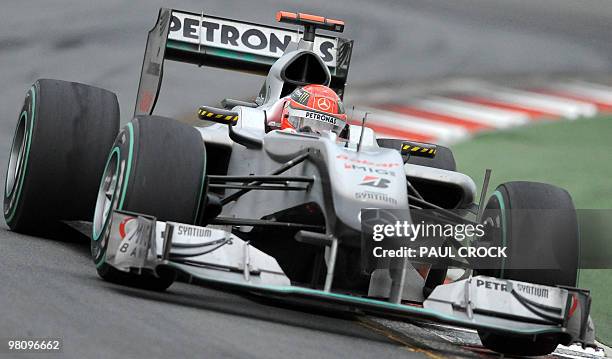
(518,220)
(57,155)
(155,167)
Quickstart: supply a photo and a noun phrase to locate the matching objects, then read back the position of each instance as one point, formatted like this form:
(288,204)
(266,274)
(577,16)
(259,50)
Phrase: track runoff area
(481,109)
(469,108)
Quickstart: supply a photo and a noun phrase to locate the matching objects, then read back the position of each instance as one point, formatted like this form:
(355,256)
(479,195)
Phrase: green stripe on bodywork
(240,56)
(368,303)
(25,159)
(502,207)
(223,53)
(208,51)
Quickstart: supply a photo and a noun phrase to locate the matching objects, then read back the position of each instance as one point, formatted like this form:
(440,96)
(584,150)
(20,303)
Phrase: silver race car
(267,195)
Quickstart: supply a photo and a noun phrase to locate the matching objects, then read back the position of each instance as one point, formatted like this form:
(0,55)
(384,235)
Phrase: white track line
(593,85)
(444,132)
(595,92)
(477,113)
(571,109)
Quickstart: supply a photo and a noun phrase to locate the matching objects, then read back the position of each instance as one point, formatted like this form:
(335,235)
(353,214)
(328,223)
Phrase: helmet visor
(315,122)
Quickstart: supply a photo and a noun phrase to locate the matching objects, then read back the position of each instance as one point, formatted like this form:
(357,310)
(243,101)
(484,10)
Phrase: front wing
(214,257)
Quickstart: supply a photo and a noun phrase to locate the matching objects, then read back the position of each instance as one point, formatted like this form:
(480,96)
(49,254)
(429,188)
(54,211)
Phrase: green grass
(574,155)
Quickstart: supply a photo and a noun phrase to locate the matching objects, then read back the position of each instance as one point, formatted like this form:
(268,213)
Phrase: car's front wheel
(156,167)
(537,224)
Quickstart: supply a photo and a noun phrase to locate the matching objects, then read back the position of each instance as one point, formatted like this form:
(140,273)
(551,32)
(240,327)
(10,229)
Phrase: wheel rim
(494,218)
(15,165)
(106,193)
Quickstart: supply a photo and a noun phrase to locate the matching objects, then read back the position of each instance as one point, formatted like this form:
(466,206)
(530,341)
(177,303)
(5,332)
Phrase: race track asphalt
(49,288)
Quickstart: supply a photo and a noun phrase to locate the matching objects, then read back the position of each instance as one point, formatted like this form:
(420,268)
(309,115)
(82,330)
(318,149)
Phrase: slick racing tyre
(63,135)
(444,158)
(155,167)
(531,238)
(519,346)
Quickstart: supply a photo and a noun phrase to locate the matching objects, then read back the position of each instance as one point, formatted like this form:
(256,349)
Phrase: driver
(312,109)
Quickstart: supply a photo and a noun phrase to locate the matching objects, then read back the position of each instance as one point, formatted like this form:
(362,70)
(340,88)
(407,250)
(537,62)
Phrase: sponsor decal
(503,287)
(379,171)
(183,230)
(375,196)
(128,228)
(320,117)
(243,37)
(300,96)
(132,245)
(374,181)
(314,116)
(324,104)
(365,162)
(146,101)
(364,165)
(575,303)
(529,289)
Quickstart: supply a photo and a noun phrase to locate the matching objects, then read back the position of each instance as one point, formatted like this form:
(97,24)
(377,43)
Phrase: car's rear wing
(205,40)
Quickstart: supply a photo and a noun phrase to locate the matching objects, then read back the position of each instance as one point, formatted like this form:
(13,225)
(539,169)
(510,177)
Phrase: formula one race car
(266,197)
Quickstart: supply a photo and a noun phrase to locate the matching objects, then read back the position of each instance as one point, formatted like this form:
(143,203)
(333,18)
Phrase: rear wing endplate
(205,40)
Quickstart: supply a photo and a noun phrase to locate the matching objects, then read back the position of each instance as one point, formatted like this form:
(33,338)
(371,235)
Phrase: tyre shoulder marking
(13,208)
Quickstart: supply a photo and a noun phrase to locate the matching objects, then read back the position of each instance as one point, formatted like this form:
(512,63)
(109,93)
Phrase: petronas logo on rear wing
(205,40)
(243,37)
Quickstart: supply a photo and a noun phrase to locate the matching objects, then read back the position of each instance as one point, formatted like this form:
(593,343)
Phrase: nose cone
(367,179)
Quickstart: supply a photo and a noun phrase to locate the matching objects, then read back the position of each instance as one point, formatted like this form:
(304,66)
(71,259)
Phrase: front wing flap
(141,242)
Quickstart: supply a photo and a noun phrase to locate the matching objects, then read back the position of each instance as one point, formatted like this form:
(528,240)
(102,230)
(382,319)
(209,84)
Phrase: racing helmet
(315,109)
